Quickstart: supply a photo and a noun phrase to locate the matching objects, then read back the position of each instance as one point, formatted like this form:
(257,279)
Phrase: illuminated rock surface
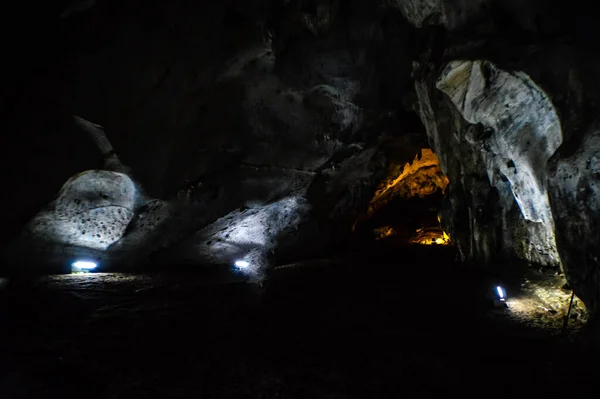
(421,177)
(495,145)
(92,211)
(521,123)
(251,235)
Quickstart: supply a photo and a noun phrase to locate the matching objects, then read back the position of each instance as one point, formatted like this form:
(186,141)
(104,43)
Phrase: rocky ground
(542,301)
(414,326)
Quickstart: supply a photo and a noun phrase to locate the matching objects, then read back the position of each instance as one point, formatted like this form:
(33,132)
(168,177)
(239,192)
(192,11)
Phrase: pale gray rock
(92,211)
(494,134)
(521,128)
(249,234)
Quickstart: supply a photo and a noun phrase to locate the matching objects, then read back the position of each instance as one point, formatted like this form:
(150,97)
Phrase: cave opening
(407,205)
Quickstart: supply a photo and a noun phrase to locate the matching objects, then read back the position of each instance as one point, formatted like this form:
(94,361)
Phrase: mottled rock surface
(92,210)
(90,213)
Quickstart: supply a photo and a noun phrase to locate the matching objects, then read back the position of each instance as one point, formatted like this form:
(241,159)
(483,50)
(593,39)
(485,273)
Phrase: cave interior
(299,198)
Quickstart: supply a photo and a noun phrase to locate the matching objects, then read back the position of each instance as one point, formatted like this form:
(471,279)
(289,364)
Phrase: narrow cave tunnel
(299,199)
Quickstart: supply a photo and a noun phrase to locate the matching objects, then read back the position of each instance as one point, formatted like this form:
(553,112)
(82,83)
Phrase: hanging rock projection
(522,130)
(503,130)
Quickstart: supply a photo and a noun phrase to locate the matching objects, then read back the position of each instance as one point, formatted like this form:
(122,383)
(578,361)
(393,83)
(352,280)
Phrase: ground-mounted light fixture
(83,266)
(501,294)
(241,264)
(500,300)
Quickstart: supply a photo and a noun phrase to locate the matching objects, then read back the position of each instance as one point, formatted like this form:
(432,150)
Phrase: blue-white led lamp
(501,294)
(83,266)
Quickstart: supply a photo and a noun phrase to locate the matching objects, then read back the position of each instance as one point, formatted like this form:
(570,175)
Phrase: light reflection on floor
(543,303)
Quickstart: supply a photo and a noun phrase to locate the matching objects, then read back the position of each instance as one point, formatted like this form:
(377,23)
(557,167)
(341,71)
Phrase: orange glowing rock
(422,177)
(431,236)
(383,232)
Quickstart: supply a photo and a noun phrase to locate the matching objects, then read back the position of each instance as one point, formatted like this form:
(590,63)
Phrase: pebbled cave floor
(365,327)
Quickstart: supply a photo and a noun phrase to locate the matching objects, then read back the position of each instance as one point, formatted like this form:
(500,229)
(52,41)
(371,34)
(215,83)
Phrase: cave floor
(323,330)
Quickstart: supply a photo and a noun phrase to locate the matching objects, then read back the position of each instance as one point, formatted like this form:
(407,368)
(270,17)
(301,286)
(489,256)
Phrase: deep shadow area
(406,216)
(377,326)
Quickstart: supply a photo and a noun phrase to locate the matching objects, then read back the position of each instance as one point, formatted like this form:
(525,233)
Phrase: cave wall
(574,184)
(213,107)
(482,139)
(495,132)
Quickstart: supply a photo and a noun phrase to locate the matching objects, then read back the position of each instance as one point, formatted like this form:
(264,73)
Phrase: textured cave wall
(574,188)
(552,47)
(213,106)
(91,212)
(511,126)
(494,131)
(195,88)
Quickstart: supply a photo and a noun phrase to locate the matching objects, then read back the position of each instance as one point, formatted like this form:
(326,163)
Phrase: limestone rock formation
(480,147)
(250,234)
(91,212)
(574,187)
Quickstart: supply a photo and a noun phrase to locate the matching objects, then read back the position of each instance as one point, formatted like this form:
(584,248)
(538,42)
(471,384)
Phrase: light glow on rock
(421,177)
(431,236)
